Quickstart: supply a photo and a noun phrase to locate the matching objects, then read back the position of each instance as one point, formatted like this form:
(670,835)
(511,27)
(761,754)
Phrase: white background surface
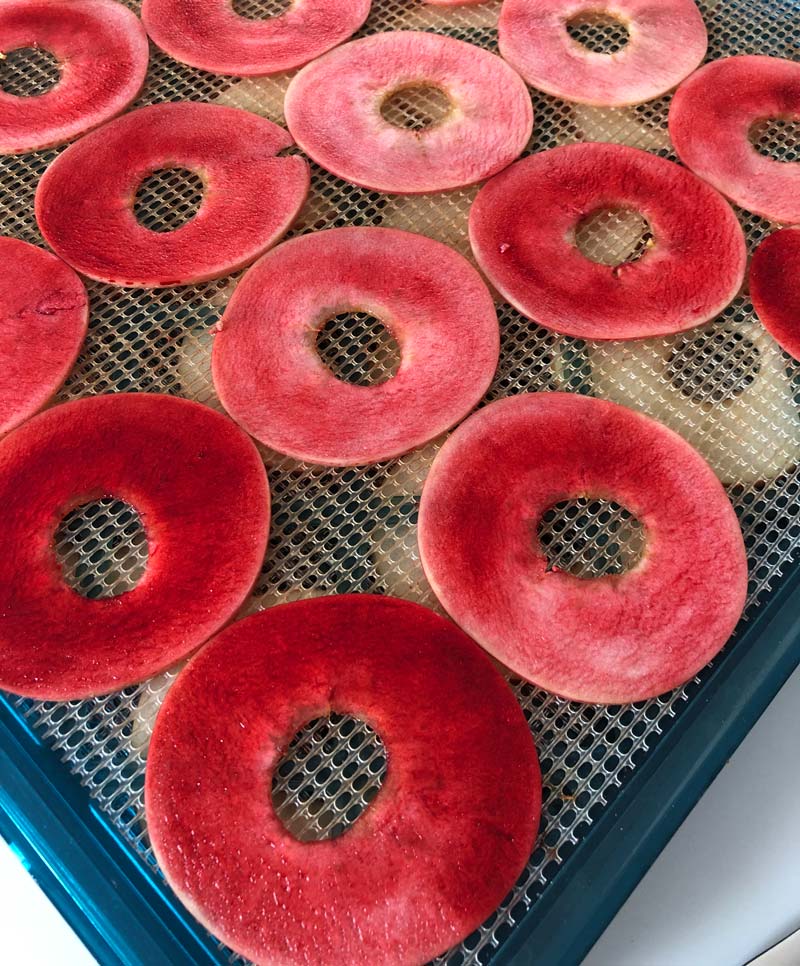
(725,888)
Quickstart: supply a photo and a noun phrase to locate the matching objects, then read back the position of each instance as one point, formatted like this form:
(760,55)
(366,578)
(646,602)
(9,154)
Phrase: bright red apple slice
(611,639)
(710,120)
(200,488)
(523,231)
(102,50)
(85,200)
(775,287)
(270,378)
(667,42)
(209,34)
(44,313)
(333,109)
(411,876)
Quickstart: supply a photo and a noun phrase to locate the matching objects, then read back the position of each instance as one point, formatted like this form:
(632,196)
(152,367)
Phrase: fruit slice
(102,50)
(44,313)
(523,231)
(775,287)
(201,490)
(270,378)
(333,109)
(84,203)
(411,876)
(209,34)
(710,120)
(611,639)
(667,41)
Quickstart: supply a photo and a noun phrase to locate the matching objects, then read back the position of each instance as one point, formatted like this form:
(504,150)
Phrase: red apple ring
(270,378)
(200,487)
(44,314)
(613,639)
(522,229)
(668,40)
(710,120)
(333,109)
(775,287)
(84,203)
(210,35)
(433,854)
(103,51)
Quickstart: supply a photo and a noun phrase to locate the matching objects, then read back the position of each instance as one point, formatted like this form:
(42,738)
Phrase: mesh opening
(590,538)
(359,349)
(416,108)
(777,138)
(168,198)
(102,548)
(598,32)
(28,71)
(260,9)
(713,368)
(331,771)
(613,236)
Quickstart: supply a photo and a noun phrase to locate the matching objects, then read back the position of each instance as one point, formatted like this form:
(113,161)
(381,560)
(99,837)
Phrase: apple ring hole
(416,107)
(28,71)
(260,9)
(713,368)
(589,537)
(101,548)
(332,769)
(777,138)
(359,349)
(168,198)
(598,31)
(613,236)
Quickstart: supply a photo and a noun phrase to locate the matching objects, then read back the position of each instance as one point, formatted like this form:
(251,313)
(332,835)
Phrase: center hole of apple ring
(101,548)
(777,138)
(713,368)
(261,9)
(359,349)
(332,769)
(614,236)
(589,537)
(168,198)
(598,31)
(416,107)
(28,72)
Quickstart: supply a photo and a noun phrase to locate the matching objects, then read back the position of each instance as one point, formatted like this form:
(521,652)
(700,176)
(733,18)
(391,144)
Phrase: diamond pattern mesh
(726,387)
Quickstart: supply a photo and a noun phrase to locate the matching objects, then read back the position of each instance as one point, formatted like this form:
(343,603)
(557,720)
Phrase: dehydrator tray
(618,780)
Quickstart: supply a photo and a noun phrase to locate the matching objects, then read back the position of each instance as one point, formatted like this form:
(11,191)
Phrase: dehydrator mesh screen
(726,387)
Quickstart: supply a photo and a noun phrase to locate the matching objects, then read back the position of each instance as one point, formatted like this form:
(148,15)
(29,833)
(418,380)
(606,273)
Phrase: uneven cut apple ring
(209,34)
(270,378)
(667,41)
(334,111)
(710,120)
(775,287)
(463,782)
(200,487)
(612,639)
(85,199)
(103,50)
(726,390)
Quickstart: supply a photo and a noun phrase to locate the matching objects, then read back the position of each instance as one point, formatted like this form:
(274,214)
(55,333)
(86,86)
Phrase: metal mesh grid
(168,198)
(337,530)
(598,32)
(28,71)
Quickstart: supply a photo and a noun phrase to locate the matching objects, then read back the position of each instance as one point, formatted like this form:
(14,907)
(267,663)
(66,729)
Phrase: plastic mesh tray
(727,387)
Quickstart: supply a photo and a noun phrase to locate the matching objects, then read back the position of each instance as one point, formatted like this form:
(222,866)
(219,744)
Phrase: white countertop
(725,888)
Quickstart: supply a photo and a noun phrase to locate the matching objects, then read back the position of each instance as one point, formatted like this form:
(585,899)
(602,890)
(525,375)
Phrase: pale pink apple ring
(611,639)
(272,381)
(667,41)
(334,110)
(102,50)
(710,120)
(209,34)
